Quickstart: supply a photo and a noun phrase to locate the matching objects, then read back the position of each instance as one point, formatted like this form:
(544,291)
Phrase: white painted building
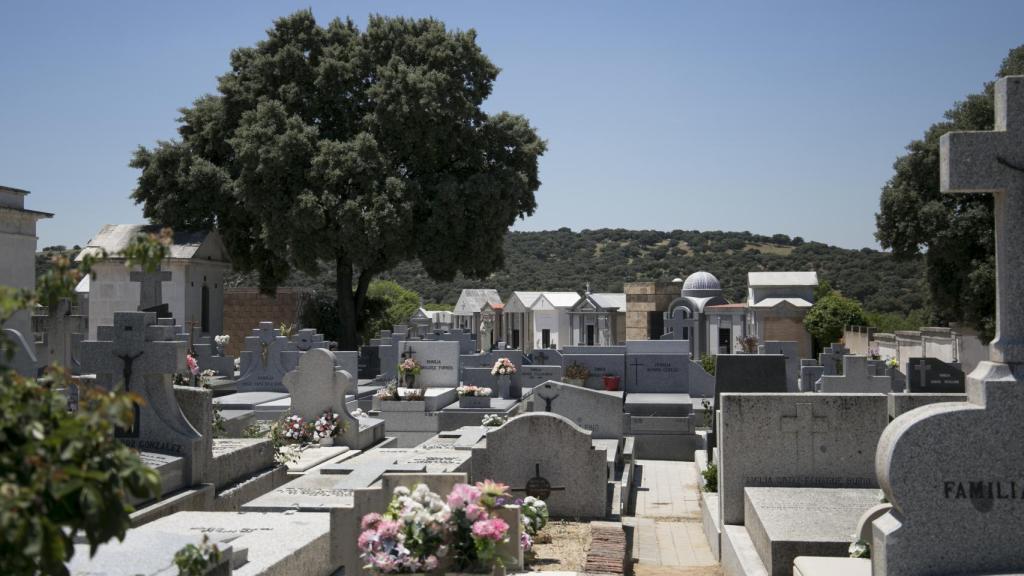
(18,245)
(466,315)
(777,303)
(198,262)
(550,315)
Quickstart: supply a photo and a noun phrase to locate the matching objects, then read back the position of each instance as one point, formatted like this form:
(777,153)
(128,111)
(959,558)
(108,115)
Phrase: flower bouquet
(493,420)
(326,428)
(409,369)
(474,397)
(576,373)
(503,367)
(474,528)
(221,341)
(409,536)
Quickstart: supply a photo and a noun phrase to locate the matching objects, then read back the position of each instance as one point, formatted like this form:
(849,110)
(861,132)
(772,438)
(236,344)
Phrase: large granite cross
(142,358)
(805,425)
(150,287)
(993,162)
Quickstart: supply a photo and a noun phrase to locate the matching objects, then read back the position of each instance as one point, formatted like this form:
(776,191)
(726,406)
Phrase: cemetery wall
(245,308)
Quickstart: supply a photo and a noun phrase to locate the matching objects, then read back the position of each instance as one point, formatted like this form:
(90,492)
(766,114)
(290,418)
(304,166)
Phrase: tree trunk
(350,302)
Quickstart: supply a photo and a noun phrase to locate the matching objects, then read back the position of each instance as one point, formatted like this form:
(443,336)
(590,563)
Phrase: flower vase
(410,380)
(328,441)
(504,386)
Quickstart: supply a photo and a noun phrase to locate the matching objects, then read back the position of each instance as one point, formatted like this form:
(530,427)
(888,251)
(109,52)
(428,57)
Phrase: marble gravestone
(599,366)
(262,362)
(150,287)
(565,466)
(314,386)
(142,358)
(796,440)
(439,361)
(657,373)
(831,358)
(598,411)
(931,375)
(952,471)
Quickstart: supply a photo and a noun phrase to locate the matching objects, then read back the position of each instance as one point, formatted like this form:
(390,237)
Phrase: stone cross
(547,399)
(142,358)
(263,361)
(539,487)
(315,387)
(805,425)
(993,162)
(150,291)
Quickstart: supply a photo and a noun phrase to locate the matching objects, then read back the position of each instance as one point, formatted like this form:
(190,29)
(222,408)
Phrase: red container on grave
(611,383)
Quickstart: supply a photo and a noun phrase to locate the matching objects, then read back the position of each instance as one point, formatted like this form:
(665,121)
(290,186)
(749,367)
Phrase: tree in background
(387,304)
(830,315)
(356,150)
(954,231)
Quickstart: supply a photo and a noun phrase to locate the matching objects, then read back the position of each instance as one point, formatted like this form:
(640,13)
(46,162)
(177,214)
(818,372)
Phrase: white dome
(701,281)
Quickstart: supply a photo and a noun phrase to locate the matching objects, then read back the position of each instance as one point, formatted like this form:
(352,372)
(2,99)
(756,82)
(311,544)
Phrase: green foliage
(354,149)
(707,362)
(953,231)
(148,250)
(710,475)
(830,315)
(892,321)
(195,560)
(63,473)
(387,304)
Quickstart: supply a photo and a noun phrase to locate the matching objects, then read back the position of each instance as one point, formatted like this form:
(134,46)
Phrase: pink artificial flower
(193,366)
(475,512)
(389,528)
(525,542)
(367,539)
(370,521)
(492,529)
(430,563)
(463,495)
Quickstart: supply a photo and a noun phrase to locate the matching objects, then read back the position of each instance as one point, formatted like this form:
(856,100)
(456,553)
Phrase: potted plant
(576,374)
(409,369)
(503,370)
(611,382)
(474,397)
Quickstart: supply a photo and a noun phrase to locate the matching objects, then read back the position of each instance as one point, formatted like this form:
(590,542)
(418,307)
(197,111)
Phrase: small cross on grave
(547,399)
(542,357)
(636,369)
(993,162)
(805,425)
(408,352)
(150,288)
(539,486)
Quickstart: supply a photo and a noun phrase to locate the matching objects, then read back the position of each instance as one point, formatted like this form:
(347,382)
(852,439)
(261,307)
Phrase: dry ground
(563,547)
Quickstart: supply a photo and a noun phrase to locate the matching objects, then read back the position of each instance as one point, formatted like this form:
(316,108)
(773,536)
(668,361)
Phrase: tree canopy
(954,231)
(353,149)
(830,314)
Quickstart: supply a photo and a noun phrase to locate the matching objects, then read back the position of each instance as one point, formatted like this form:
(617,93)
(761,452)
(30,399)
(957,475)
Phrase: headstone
(439,362)
(831,358)
(532,375)
(263,365)
(599,365)
(857,377)
(59,335)
(654,373)
(565,467)
(791,352)
(934,376)
(953,471)
(150,287)
(142,358)
(796,441)
(809,376)
(314,386)
(658,347)
(598,411)
(547,357)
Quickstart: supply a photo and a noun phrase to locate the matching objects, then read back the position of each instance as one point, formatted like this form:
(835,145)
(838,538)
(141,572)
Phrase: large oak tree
(954,231)
(353,149)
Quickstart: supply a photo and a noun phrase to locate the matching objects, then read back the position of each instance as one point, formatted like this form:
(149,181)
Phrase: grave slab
(598,411)
(784,523)
(659,404)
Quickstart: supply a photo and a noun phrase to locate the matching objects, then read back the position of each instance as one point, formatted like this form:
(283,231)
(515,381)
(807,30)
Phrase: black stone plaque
(935,376)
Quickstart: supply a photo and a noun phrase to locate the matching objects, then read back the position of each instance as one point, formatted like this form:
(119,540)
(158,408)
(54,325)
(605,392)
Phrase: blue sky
(772,117)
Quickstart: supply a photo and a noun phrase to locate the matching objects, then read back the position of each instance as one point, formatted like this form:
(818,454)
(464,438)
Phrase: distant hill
(566,260)
(608,258)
